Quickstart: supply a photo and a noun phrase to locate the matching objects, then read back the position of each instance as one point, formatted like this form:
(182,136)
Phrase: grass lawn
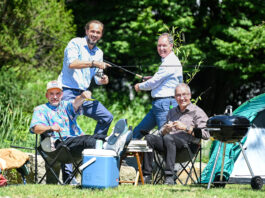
(161,191)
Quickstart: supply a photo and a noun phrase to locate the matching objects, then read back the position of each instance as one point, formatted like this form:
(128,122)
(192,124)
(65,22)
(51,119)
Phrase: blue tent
(254,110)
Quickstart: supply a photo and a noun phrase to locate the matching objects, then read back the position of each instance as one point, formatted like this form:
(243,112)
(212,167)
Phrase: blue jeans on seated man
(92,109)
(157,116)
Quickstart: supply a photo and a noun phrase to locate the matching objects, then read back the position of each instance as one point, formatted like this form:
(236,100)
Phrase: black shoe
(147,179)
(169,180)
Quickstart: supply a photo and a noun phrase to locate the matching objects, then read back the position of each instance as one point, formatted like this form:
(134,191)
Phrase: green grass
(46,191)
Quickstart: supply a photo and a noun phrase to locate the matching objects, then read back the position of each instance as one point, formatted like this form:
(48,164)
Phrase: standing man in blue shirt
(162,86)
(83,60)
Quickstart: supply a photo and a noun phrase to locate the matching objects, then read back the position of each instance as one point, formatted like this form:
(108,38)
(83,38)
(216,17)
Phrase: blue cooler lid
(99,152)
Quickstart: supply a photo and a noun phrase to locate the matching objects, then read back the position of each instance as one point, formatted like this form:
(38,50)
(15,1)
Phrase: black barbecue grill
(227,128)
(230,128)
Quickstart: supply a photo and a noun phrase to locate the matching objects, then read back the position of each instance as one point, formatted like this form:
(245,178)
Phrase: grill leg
(215,162)
(223,160)
(246,159)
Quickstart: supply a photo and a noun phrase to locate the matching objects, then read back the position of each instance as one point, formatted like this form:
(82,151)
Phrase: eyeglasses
(184,95)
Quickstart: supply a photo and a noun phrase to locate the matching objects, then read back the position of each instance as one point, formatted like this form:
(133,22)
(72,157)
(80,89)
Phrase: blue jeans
(92,109)
(157,116)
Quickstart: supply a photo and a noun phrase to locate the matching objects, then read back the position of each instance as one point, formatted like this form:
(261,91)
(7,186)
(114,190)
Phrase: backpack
(3,180)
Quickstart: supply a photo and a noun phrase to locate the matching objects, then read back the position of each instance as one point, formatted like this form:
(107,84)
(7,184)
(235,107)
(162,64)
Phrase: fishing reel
(99,74)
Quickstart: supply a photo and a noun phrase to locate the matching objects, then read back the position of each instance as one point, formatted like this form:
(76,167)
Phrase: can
(99,144)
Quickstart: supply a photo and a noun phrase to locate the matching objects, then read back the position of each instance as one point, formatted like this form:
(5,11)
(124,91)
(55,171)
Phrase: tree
(22,44)
(231,35)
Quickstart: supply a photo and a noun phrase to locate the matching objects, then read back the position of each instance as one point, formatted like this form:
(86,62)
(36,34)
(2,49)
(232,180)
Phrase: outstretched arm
(79,100)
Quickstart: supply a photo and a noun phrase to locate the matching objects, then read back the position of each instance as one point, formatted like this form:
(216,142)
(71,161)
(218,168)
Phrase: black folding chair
(61,155)
(184,159)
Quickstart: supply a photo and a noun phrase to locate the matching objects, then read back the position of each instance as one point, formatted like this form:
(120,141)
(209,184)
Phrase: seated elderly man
(59,116)
(184,125)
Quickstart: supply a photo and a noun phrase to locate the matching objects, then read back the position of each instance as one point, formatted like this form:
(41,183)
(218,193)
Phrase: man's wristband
(187,129)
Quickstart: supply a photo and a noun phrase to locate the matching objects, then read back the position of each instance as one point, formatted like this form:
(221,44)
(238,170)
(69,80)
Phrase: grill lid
(227,128)
(227,121)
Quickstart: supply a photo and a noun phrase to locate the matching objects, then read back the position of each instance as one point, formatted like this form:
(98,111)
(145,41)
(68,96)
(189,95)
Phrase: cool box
(103,172)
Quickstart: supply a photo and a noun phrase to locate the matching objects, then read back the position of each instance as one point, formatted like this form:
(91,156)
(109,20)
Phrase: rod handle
(139,76)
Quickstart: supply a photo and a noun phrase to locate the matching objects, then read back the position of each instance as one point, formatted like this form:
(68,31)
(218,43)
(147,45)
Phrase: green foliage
(231,35)
(246,50)
(22,46)
(18,98)
(14,127)
(192,73)
(27,93)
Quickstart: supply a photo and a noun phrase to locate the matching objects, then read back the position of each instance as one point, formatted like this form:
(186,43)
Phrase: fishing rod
(126,70)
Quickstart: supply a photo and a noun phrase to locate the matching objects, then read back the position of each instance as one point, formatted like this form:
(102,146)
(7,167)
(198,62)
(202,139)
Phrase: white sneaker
(120,137)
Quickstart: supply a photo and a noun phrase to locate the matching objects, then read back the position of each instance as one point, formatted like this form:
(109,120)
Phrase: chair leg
(36,160)
(159,174)
(50,166)
(200,150)
(191,161)
(74,173)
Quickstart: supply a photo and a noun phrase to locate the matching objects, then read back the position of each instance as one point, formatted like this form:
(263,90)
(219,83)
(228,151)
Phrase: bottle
(170,105)
(99,144)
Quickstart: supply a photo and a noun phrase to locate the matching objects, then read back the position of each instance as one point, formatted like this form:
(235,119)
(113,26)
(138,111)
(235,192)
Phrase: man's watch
(187,129)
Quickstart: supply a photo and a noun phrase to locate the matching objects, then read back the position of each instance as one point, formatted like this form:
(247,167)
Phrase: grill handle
(229,110)
(212,129)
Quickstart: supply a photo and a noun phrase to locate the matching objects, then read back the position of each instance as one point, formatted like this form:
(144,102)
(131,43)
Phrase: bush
(18,98)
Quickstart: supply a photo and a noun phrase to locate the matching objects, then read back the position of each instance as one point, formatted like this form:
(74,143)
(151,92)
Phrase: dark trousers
(168,145)
(76,145)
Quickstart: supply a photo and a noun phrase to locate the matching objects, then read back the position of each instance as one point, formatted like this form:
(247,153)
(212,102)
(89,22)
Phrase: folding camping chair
(184,159)
(61,155)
